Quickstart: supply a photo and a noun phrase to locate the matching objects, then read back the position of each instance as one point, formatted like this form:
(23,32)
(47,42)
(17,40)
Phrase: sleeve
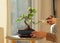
(51,37)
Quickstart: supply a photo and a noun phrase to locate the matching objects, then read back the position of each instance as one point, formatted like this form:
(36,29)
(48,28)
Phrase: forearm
(51,37)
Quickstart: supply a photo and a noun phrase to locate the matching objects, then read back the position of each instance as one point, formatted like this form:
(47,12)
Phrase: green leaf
(23,15)
(31,10)
(30,16)
(29,20)
(18,20)
(34,10)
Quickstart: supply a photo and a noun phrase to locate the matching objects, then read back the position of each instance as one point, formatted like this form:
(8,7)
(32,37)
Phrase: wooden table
(13,39)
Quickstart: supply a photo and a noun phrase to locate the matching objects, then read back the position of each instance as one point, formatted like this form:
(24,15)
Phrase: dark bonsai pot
(25,33)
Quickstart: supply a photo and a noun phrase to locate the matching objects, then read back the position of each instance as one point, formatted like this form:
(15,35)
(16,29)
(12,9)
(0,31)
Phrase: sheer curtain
(15,9)
(18,7)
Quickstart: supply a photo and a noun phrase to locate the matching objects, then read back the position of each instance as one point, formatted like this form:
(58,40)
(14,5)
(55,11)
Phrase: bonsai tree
(27,17)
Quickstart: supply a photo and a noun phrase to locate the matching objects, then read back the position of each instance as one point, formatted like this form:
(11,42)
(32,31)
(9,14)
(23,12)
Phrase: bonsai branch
(27,24)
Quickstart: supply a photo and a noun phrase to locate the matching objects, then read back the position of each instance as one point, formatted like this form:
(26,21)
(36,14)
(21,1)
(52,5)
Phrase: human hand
(39,34)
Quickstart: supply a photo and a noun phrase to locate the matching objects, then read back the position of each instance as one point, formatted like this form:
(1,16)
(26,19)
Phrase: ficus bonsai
(27,17)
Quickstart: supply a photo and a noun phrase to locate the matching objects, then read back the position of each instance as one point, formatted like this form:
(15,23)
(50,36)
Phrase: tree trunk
(28,27)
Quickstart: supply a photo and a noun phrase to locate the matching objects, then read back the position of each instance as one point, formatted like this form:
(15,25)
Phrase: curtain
(17,8)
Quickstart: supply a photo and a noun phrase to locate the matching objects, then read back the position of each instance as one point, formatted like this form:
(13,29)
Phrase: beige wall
(44,9)
(3,16)
(58,21)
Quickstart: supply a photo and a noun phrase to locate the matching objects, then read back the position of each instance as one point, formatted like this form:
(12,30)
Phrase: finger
(33,36)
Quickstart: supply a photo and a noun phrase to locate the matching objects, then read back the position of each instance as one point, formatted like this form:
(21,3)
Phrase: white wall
(3,16)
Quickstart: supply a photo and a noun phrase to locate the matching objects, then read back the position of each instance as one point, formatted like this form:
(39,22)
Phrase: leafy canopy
(28,17)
